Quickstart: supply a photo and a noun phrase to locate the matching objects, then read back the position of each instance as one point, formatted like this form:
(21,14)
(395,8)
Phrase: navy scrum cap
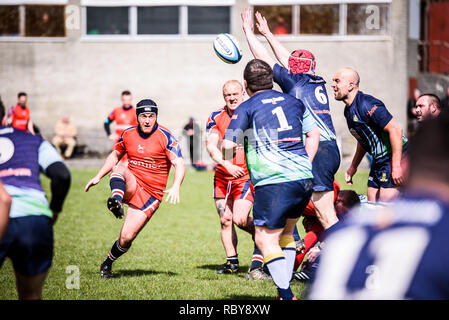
(146,105)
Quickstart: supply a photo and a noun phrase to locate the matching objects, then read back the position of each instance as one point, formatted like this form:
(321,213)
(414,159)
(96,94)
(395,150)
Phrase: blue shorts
(325,165)
(275,203)
(380,173)
(28,241)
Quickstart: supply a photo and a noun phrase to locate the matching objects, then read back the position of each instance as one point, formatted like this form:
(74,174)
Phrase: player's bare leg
(241,217)
(134,222)
(228,235)
(388,194)
(372,194)
(30,288)
(323,202)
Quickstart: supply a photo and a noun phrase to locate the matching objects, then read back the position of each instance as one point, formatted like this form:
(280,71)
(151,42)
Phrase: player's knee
(241,222)
(126,239)
(226,221)
(118,169)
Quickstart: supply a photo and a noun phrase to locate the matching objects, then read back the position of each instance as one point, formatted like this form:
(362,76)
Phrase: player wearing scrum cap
(151,151)
(297,77)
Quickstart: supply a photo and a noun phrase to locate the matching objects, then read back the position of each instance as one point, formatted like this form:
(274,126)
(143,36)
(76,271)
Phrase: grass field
(174,257)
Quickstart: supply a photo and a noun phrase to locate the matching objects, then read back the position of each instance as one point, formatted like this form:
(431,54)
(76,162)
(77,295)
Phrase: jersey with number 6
(311,90)
(270,125)
(398,251)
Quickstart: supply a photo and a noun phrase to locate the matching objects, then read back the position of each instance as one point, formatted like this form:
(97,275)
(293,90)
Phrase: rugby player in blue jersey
(28,239)
(296,76)
(377,133)
(270,125)
(398,251)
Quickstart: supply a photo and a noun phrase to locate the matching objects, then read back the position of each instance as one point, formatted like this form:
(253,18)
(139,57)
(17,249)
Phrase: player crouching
(151,150)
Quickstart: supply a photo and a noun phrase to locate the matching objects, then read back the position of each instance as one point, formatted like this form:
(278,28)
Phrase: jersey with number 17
(311,90)
(270,125)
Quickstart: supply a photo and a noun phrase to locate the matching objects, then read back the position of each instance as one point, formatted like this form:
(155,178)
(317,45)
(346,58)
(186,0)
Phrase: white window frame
(133,4)
(21,4)
(341,36)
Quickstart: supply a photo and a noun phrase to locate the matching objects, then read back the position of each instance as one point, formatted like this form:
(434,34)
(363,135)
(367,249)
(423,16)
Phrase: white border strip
(18,2)
(294,2)
(142,3)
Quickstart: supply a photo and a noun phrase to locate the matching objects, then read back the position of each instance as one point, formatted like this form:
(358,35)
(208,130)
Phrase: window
(107,20)
(209,20)
(9,21)
(319,19)
(368,19)
(44,21)
(330,18)
(142,18)
(158,20)
(279,18)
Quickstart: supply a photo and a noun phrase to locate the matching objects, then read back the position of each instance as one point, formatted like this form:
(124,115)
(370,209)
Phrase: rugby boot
(115,207)
(228,268)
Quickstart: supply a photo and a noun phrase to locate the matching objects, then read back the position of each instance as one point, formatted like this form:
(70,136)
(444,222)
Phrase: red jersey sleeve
(172,148)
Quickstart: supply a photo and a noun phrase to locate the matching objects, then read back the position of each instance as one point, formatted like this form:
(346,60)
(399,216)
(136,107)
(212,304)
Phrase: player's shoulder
(19,134)
(217,113)
(367,101)
(164,131)
(130,131)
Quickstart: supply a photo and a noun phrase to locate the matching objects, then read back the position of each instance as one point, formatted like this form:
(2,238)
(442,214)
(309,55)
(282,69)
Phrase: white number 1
(279,112)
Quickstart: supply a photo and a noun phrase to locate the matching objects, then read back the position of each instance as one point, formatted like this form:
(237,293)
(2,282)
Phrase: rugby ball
(227,48)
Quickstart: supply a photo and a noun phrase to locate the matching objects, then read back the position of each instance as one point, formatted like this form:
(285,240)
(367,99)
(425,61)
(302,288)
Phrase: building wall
(84,78)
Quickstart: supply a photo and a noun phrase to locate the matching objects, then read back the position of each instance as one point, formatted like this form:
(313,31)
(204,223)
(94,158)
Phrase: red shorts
(238,189)
(143,201)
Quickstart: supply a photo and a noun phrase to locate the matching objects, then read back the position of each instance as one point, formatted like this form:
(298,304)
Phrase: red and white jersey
(218,122)
(150,156)
(124,118)
(19,116)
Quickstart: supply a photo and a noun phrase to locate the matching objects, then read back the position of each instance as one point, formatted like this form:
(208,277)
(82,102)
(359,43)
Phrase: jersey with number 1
(398,251)
(271,125)
(311,90)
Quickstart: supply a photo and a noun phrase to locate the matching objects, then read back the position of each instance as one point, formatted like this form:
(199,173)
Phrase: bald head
(233,94)
(345,84)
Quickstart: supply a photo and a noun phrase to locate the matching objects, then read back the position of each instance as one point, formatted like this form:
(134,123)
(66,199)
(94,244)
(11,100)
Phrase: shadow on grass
(242,268)
(140,273)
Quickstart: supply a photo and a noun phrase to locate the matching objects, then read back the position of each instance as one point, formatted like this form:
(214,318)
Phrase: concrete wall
(84,78)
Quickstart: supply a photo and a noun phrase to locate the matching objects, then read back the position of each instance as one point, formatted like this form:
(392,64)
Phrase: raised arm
(281,52)
(257,48)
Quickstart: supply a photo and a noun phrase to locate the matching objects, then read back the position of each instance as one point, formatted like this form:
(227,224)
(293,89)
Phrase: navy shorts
(325,165)
(28,242)
(380,173)
(275,203)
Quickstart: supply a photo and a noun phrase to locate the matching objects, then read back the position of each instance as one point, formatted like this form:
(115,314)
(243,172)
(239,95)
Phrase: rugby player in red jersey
(233,191)
(151,151)
(19,114)
(124,117)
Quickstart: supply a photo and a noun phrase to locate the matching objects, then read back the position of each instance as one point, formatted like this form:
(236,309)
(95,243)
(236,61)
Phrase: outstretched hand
(91,183)
(247,20)
(172,195)
(262,24)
